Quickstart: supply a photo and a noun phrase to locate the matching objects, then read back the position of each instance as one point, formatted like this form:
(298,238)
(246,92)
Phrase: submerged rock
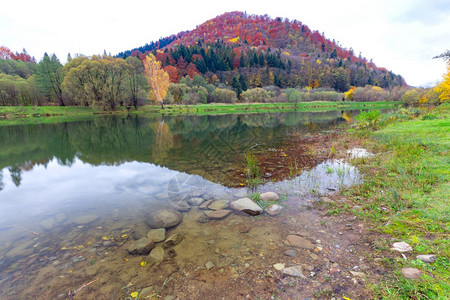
(196,201)
(269,196)
(241,193)
(274,210)
(246,205)
(218,205)
(203,219)
(48,223)
(180,206)
(164,218)
(140,230)
(205,204)
(295,271)
(86,219)
(173,240)
(290,253)
(157,235)
(156,256)
(217,214)
(299,242)
(141,246)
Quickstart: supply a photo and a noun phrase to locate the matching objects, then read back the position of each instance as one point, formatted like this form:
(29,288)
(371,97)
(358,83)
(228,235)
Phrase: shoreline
(16,115)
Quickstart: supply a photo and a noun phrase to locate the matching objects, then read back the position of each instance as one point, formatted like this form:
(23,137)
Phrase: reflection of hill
(203,145)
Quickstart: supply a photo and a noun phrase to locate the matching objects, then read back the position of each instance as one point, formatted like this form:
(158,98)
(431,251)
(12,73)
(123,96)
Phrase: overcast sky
(401,35)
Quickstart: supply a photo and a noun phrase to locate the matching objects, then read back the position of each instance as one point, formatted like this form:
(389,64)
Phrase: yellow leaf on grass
(134,294)
(143,263)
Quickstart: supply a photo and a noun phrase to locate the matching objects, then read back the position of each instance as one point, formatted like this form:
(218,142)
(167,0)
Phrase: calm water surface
(71,192)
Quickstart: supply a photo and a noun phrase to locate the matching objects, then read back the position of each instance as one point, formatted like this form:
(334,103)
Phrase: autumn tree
(157,78)
(49,77)
(444,86)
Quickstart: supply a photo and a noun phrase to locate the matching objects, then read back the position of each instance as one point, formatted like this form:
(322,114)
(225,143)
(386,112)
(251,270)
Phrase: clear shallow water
(113,172)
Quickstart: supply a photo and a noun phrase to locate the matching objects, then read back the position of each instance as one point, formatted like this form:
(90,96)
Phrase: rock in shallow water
(164,218)
(86,219)
(196,201)
(274,210)
(246,205)
(295,271)
(141,246)
(299,242)
(290,253)
(156,256)
(157,235)
(205,204)
(217,214)
(269,196)
(218,204)
(173,240)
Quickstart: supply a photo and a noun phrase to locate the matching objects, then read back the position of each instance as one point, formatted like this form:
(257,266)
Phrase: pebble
(246,205)
(314,256)
(218,205)
(299,242)
(411,273)
(203,219)
(428,258)
(269,196)
(401,247)
(279,266)
(290,253)
(209,265)
(295,271)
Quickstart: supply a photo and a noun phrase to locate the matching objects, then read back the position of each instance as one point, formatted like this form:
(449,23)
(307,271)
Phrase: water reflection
(74,196)
(197,144)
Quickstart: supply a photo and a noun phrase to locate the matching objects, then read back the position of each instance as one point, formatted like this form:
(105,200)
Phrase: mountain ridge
(299,51)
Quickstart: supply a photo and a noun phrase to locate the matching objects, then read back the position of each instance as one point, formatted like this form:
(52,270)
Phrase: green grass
(406,195)
(12,115)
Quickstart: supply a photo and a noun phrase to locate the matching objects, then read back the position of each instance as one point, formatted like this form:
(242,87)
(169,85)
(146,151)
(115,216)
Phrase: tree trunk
(162,104)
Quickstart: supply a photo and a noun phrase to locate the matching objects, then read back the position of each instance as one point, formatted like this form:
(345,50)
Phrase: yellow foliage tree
(349,95)
(157,78)
(444,87)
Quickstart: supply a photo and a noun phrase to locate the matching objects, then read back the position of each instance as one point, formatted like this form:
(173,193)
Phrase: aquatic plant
(252,170)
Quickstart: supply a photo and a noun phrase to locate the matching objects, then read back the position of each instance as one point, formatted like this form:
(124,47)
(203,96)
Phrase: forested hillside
(265,52)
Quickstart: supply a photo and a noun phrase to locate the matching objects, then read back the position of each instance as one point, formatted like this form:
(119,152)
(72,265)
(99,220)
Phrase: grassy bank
(405,194)
(11,115)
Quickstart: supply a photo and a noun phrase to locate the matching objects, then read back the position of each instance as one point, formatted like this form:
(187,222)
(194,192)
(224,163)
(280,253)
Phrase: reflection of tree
(347,116)
(1,180)
(16,175)
(163,141)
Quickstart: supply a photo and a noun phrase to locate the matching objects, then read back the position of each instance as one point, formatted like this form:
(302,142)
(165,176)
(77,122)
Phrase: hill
(256,51)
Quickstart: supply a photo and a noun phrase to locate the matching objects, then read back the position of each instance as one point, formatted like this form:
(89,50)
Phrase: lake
(74,197)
